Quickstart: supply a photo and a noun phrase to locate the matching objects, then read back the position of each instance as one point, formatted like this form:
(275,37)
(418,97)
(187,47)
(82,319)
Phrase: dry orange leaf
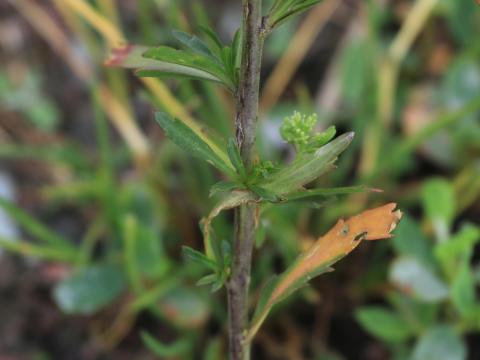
(343,238)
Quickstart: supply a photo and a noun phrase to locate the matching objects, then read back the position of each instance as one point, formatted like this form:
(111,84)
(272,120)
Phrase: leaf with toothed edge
(164,61)
(343,238)
(306,168)
(216,71)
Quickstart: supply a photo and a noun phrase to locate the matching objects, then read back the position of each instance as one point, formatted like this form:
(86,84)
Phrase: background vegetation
(104,202)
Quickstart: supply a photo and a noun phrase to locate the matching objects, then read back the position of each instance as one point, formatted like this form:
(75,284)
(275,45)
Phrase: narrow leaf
(224,186)
(440,343)
(193,43)
(198,257)
(35,228)
(284,10)
(187,139)
(165,350)
(343,238)
(191,61)
(131,57)
(322,193)
(235,157)
(214,39)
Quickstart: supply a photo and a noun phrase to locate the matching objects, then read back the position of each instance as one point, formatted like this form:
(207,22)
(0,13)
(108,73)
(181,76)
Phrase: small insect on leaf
(343,238)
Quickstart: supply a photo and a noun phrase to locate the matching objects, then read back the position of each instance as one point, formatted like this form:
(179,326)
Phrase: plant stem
(247,97)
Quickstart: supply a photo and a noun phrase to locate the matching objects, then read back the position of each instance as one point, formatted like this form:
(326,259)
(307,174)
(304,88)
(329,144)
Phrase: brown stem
(247,97)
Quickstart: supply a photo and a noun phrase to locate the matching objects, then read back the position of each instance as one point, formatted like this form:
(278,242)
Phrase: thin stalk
(247,97)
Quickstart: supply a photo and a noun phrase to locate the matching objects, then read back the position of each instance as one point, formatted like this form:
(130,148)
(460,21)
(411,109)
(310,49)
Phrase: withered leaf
(343,238)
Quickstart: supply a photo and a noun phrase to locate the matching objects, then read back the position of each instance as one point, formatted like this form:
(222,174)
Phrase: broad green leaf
(216,72)
(184,308)
(460,244)
(306,168)
(420,315)
(440,343)
(438,199)
(165,61)
(35,228)
(384,324)
(463,292)
(188,140)
(90,289)
(343,238)
(413,277)
(410,241)
(161,350)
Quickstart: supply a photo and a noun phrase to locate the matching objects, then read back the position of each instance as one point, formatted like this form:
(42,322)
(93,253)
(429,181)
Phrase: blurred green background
(95,203)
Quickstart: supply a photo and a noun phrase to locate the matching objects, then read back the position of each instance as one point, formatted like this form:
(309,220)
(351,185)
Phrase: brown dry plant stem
(247,97)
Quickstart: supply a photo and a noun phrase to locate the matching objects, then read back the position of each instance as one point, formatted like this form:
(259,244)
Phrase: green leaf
(410,241)
(323,193)
(210,69)
(414,277)
(306,168)
(184,308)
(35,228)
(237,48)
(165,61)
(383,323)
(264,194)
(461,244)
(225,186)
(42,252)
(438,198)
(89,289)
(177,348)
(214,39)
(198,257)
(188,140)
(419,315)
(463,292)
(207,280)
(440,343)
(283,10)
(323,137)
(235,158)
(193,43)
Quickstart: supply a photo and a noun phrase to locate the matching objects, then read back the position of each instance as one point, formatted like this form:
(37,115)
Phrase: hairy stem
(247,97)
